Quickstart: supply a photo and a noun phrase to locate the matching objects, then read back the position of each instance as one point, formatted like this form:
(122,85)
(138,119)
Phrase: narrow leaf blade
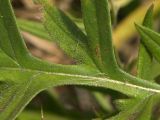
(150,39)
(96,15)
(10,41)
(63,31)
(145,59)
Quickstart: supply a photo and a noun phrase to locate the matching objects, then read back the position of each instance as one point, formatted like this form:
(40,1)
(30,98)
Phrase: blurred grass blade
(34,115)
(103,101)
(124,104)
(145,59)
(34,28)
(96,15)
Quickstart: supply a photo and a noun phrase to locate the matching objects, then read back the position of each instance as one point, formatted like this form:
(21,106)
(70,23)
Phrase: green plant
(22,76)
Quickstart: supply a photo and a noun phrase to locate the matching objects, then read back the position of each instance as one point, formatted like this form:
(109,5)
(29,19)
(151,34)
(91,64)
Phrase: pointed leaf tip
(138,27)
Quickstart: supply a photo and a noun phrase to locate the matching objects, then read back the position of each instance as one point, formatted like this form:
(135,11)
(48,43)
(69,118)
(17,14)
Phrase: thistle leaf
(23,76)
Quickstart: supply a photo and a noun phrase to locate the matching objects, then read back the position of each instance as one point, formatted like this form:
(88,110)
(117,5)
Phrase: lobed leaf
(23,76)
(13,45)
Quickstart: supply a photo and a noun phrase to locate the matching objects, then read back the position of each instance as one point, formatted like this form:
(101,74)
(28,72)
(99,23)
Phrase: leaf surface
(145,58)
(96,15)
(151,40)
(64,31)
(138,111)
(23,76)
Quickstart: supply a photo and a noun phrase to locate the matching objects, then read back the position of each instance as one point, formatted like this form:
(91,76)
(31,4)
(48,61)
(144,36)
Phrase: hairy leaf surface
(23,76)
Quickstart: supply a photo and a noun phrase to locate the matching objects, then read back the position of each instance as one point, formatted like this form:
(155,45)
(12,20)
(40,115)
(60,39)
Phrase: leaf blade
(145,59)
(12,35)
(62,29)
(149,38)
(96,15)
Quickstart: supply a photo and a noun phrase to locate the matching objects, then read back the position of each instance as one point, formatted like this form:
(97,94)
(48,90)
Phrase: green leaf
(7,61)
(145,59)
(96,15)
(133,108)
(22,76)
(155,69)
(10,39)
(24,84)
(125,104)
(64,32)
(142,110)
(13,45)
(103,101)
(151,40)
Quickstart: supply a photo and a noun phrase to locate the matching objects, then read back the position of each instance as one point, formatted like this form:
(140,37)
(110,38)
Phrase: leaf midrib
(98,79)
